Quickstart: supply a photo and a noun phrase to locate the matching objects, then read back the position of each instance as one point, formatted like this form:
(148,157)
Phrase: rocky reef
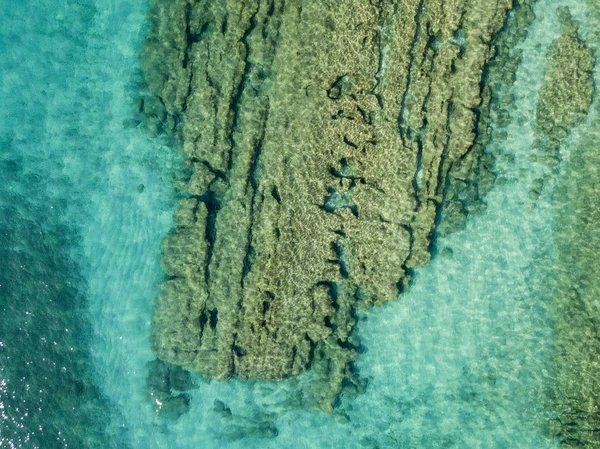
(564,103)
(566,96)
(322,139)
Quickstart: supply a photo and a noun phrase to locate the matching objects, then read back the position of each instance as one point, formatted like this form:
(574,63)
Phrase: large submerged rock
(564,103)
(320,137)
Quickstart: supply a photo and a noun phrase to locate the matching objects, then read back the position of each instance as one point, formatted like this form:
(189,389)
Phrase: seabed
(299,224)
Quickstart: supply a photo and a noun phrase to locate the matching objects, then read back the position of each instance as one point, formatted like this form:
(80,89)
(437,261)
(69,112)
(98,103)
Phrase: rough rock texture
(576,390)
(470,178)
(166,385)
(321,135)
(564,102)
(566,95)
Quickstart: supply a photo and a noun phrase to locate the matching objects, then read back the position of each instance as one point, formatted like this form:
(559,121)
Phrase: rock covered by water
(321,136)
(167,384)
(564,103)
(568,89)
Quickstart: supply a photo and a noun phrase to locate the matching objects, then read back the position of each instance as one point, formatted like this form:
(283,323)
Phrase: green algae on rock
(564,102)
(166,386)
(566,95)
(471,177)
(576,390)
(321,135)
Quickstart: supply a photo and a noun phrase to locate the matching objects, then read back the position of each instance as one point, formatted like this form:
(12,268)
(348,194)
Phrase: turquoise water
(461,360)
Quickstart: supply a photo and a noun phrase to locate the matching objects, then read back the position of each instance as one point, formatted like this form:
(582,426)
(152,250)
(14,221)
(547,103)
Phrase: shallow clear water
(461,360)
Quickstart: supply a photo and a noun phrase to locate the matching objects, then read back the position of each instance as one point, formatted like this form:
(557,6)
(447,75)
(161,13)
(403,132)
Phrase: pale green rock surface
(566,95)
(320,137)
(563,104)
